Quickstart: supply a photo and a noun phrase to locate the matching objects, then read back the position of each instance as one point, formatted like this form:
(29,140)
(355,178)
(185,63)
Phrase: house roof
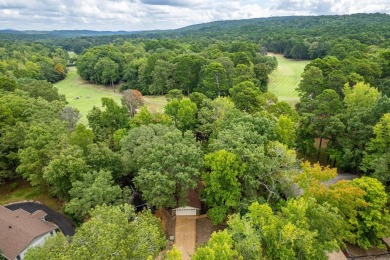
(18,228)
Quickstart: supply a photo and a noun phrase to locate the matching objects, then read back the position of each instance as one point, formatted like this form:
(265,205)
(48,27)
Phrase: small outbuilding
(21,230)
(193,207)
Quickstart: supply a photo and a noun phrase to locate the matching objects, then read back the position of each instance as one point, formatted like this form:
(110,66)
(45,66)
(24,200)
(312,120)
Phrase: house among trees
(193,206)
(21,230)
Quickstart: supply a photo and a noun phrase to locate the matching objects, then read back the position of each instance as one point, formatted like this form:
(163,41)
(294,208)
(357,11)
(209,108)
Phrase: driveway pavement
(185,235)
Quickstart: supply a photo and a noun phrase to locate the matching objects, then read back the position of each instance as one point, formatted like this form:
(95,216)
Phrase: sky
(135,15)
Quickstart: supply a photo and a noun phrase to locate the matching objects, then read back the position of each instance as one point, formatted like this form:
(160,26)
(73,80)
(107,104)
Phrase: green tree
(137,137)
(361,96)
(173,254)
(373,220)
(71,116)
(100,157)
(325,123)
(63,170)
(172,109)
(222,189)
(198,99)
(105,122)
(113,232)
(285,131)
(361,203)
(283,108)
(145,117)
(54,248)
(40,88)
(228,65)
(161,75)
(261,73)
(168,166)
(82,137)
(42,143)
(174,93)
(360,102)
(270,165)
(213,115)
(243,73)
(94,188)
(219,247)
(183,113)
(107,71)
(7,84)
(19,113)
(302,229)
(247,97)
(376,160)
(186,115)
(110,235)
(213,81)
(186,72)
(312,82)
(101,64)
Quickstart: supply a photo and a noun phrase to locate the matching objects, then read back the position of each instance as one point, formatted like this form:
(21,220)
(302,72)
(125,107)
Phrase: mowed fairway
(285,79)
(90,95)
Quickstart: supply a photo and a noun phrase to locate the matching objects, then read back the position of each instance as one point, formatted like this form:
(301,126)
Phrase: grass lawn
(89,95)
(72,54)
(20,190)
(155,103)
(285,79)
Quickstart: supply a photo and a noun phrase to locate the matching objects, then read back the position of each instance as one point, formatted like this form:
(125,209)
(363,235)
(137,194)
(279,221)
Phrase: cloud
(319,7)
(307,6)
(180,3)
(133,15)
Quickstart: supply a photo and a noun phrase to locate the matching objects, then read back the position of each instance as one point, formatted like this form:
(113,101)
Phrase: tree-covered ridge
(295,37)
(32,60)
(313,26)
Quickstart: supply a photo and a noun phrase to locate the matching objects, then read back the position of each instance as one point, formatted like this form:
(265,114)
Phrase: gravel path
(64,223)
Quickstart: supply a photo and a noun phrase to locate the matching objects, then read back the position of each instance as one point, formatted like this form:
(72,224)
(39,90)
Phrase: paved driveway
(185,235)
(64,223)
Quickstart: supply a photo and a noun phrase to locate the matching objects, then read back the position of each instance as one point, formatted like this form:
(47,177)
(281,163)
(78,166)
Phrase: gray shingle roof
(18,228)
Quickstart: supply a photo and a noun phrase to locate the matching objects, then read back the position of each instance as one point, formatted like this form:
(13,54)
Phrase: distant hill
(290,35)
(308,25)
(312,25)
(60,33)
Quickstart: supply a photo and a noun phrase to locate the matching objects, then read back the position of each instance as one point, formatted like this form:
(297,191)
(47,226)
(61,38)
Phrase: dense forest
(259,165)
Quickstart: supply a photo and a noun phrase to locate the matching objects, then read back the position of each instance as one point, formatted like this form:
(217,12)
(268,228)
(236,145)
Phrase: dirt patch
(324,143)
(204,229)
(168,222)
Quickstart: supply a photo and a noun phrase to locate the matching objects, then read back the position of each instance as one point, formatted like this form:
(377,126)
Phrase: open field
(155,103)
(72,54)
(283,83)
(285,79)
(89,95)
